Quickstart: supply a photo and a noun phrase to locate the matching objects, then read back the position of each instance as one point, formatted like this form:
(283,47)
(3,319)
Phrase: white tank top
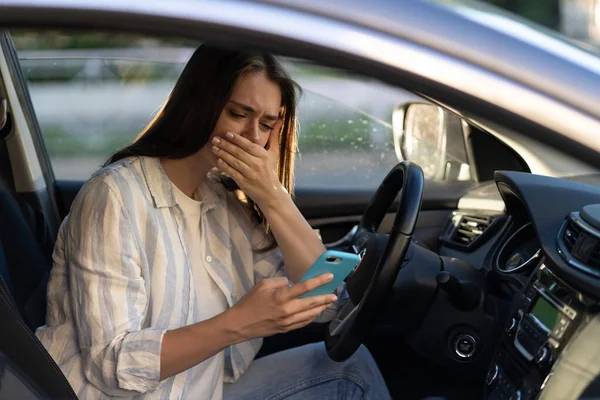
(207,377)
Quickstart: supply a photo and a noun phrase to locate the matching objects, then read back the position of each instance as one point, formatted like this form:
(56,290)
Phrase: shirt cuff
(138,366)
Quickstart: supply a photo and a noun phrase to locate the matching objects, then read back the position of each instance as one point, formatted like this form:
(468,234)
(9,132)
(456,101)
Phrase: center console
(544,316)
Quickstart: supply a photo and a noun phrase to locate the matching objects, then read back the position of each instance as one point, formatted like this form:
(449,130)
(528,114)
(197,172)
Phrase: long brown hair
(189,116)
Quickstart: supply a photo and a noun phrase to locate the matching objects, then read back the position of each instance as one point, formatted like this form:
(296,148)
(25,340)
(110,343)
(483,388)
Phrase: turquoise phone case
(339,263)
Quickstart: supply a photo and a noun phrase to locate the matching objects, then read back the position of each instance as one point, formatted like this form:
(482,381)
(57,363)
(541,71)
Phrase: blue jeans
(305,373)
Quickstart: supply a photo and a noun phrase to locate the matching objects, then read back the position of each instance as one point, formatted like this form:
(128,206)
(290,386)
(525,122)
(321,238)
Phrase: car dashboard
(539,239)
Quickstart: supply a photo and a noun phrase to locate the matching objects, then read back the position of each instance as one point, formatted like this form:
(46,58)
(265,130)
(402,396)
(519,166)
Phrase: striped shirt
(122,278)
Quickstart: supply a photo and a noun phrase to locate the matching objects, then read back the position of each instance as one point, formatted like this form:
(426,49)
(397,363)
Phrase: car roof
(471,31)
(482,35)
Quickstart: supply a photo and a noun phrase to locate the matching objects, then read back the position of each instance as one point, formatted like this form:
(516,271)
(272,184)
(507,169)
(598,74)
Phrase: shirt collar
(161,188)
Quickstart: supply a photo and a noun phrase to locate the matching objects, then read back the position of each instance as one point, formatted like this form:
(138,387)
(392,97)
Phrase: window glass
(346,135)
(94,92)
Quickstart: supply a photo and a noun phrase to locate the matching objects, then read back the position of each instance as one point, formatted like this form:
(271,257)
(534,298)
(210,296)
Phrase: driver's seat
(24,269)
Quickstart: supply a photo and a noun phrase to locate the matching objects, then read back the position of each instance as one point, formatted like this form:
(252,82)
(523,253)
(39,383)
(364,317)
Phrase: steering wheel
(372,280)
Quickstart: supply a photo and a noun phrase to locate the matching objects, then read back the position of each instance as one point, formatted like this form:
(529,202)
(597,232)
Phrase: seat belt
(22,352)
(6,125)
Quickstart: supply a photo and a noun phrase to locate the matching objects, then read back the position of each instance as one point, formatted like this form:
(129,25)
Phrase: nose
(251,131)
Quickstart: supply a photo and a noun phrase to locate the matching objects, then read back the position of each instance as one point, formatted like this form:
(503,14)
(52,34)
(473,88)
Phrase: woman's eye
(235,114)
(267,127)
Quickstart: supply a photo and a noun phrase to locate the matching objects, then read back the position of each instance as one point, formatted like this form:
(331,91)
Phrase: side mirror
(433,138)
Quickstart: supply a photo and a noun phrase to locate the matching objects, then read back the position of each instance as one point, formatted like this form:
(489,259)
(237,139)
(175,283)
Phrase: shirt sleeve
(108,294)
(268,264)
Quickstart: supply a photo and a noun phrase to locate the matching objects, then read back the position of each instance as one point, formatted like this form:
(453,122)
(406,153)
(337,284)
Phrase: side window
(350,138)
(94,92)
(346,136)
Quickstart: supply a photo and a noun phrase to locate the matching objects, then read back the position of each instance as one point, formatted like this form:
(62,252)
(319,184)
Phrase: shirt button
(208,258)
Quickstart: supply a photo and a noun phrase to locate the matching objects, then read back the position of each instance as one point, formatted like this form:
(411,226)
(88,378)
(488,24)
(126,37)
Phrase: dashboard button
(512,325)
(516,396)
(492,375)
(465,346)
(560,328)
(543,355)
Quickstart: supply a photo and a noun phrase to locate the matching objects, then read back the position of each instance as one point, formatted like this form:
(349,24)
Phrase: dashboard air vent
(466,230)
(579,243)
(571,235)
(470,227)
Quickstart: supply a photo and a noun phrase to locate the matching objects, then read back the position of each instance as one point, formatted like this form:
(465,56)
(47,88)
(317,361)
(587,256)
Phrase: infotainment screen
(546,313)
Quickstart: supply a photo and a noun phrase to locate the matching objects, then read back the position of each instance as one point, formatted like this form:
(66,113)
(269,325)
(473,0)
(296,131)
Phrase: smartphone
(339,263)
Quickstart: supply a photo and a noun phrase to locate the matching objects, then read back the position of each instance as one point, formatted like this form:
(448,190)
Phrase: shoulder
(118,175)
(120,182)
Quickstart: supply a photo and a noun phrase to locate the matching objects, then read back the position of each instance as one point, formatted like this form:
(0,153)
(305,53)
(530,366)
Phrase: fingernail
(229,135)
(215,149)
(334,298)
(216,140)
(329,277)
(219,161)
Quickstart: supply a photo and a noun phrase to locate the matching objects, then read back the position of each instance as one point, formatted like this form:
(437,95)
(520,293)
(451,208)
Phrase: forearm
(298,242)
(185,347)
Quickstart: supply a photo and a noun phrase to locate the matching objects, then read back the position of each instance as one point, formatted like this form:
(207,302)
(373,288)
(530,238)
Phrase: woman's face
(252,109)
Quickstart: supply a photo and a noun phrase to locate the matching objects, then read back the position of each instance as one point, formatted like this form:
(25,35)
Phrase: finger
(304,287)
(233,161)
(308,315)
(233,149)
(229,170)
(297,325)
(301,305)
(248,146)
(275,136)
(275,283)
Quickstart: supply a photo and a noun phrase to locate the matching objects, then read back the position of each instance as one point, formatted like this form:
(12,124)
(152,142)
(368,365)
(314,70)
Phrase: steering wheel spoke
(346,241)
(344,317)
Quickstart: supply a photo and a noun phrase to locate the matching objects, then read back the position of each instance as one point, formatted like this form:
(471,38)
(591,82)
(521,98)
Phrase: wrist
(279,198)
(233,326)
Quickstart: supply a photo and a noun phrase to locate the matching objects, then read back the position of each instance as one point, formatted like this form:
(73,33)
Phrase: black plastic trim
(547,202)
(498,222)
(16,75)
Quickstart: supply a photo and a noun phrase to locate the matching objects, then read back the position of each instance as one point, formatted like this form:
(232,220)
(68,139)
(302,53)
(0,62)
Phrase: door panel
(65,194)
(335,212)
(326,203)
(429,226)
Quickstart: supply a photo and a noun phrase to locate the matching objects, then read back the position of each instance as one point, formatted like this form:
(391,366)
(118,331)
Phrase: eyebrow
(249,109)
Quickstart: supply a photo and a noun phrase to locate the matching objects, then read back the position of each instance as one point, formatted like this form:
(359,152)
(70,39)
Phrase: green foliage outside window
(544,12)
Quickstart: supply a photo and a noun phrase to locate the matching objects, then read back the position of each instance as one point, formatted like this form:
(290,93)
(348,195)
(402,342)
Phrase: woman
(167,275)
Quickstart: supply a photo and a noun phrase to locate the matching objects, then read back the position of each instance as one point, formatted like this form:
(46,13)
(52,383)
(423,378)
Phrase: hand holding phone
(339,263)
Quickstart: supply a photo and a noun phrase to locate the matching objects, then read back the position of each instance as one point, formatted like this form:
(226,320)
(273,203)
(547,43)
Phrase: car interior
(481,255)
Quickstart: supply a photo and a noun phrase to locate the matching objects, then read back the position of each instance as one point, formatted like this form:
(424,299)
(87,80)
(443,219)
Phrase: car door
(93,93)
(343,158)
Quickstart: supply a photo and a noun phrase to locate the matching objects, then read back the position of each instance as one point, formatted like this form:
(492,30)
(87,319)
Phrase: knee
(362,360)
(364,354)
